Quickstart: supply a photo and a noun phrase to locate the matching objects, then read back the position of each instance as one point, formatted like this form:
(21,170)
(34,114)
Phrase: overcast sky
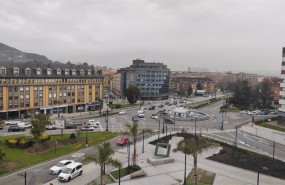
(222,35)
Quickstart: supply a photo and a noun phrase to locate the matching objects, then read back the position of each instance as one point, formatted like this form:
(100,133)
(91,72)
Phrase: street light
(106,119)
(23,174)
(57,108)
(86,138)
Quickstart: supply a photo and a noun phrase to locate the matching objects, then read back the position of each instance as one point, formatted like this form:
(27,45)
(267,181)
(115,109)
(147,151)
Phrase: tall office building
(281,112)
(151,78)
(26,88)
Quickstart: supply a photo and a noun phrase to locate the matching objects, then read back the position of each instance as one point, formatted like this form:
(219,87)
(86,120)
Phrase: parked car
(249,113)
(264,113)
(15,129)
(243,112)
(12,122)
(122,112)
(135,118)
(123,141)
(51,127)
(151,107)
(254,112)
(86,128)
(24,125)
(169,121)
(70,171)
(141,115)
(1,127)
(274,112)
(160,106)
(56,169)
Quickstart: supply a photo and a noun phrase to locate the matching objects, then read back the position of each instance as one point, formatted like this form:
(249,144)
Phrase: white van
(24,125)
(70,171)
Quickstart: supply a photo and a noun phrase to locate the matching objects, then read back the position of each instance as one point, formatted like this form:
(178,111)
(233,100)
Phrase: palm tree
(118,164)
(191,146)
(133,132)
(103,158)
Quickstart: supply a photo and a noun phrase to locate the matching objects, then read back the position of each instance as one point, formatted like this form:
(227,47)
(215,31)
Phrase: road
(39,173)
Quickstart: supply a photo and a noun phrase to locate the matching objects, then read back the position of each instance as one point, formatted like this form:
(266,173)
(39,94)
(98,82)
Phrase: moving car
(92,123)
(15,129)
(141,115)
(151,107)
(154,116)
(56,169)
(70,171)
(123,141)
(135,119)
(122,112)
(24,125)
(86,128)
(12,122)
(51,127)
(169,121)
(160,106)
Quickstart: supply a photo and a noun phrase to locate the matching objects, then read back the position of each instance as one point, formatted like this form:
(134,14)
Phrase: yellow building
(26,88)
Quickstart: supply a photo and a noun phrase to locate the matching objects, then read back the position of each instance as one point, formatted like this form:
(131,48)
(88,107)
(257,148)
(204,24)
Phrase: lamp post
(129,156)
(57,108)
(107,121)
(86,138)
(24,174)
(158,128)
(143,141)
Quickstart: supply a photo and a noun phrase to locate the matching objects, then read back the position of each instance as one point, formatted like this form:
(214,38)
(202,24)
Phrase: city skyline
(219,35)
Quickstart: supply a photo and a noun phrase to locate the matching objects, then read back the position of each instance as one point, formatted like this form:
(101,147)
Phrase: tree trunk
(101,175)
(135,153)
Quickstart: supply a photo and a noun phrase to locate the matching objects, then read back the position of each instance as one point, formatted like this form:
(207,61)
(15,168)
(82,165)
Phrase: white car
(92,123)
(88,128)
(70,171)
(12,122)
(249,113)
(243,112)
(141,115)
(60,166)
(51,127)
(154,117)
(122,112)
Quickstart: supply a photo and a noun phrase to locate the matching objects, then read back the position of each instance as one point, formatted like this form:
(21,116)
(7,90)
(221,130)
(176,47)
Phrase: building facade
(281,110)
(27,88)
(179,84)
(151,78)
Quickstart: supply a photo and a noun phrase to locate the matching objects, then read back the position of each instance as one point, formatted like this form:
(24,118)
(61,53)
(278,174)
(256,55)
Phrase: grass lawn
(121,105)
(272,127)
(234,110)
(204,177)
(115,174)
(25,159)
(197,104)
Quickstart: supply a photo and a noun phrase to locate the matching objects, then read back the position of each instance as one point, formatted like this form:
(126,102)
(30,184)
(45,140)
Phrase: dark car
(15,129)
(1,128)
(160,106)
(135,119)
(151,107)
(169,121)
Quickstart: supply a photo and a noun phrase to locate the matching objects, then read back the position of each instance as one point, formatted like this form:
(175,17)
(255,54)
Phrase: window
(16,71)
(49,71)
(28,71)
(3,71)
(73,72)
(89,72)
(58,72)
(81,72)
(39,71)
(66,72)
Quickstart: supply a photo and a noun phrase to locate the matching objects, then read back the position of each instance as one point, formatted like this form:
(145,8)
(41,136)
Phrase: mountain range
(9,54)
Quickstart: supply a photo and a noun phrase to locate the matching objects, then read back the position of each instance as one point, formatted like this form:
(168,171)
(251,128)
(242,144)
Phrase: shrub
(15,140)
(136,167)
(44,137)
(118,106)
(72,136)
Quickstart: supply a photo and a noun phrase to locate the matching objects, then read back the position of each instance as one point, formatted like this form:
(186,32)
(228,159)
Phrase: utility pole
(143,142)
(106,119)
(195,159)
(163,126)
(158,128)
(236,137)
(273,153)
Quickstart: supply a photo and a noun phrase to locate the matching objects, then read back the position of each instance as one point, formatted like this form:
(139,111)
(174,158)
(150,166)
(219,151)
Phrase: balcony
(282,84)
(281,109)
(282,101)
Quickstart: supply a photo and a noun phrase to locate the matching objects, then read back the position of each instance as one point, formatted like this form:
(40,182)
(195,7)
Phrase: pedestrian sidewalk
(173,173)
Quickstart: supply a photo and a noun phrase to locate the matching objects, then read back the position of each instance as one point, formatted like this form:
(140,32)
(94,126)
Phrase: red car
(123,141)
